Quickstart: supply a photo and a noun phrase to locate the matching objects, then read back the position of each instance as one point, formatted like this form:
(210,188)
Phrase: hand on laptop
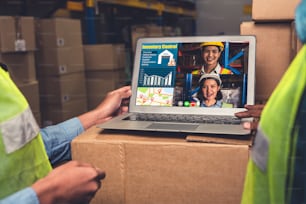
(113,104)
(252,111)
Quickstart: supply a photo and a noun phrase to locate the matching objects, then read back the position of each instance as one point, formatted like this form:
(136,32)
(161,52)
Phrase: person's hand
(253,111)
(115,102)
(72,182)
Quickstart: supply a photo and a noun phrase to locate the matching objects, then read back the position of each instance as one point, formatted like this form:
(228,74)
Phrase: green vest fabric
(267,170)
(23,159)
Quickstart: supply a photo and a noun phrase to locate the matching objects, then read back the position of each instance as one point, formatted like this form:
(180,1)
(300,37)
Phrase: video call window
(170,72)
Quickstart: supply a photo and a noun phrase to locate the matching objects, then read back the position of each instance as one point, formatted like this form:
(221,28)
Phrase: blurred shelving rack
(160,12)
(174,7)
(112,21)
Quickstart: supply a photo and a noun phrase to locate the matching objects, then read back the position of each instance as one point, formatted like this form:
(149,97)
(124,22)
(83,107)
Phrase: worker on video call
(276,169)
(211,53)
(28,153)
(209,93)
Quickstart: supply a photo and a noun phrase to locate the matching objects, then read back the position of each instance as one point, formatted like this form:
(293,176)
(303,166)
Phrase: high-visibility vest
(225,71)
(267,170)
(23,159)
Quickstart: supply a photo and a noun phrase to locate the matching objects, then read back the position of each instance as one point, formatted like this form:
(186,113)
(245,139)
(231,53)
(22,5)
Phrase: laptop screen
(193,73)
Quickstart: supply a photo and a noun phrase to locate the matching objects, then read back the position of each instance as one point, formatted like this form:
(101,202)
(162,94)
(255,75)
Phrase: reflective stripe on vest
(221,70)
(23,124)
(22,154)
(268,169)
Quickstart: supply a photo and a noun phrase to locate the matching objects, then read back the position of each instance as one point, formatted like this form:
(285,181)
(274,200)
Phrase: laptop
(165,85)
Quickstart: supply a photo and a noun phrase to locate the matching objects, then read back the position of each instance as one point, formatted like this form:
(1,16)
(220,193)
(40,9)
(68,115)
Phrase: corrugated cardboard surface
(273,54)
(148,30)
(104,56)
(63,88)
(56,113)
(8,34)
(100,82)
(58,61)
(21,66)
(162,168)
(273,10)
(58,32)
(222,139)
(10,26)
(27,29)
(31,92)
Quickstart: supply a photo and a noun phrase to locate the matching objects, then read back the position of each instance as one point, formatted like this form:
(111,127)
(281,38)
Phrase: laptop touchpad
(172,126)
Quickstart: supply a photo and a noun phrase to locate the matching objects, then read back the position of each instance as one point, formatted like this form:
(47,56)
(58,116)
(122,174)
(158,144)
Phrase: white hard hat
(211,76)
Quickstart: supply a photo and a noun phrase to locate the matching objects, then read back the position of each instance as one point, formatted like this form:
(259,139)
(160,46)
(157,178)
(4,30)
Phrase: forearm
(57,139)
(25,196)
(45,190)
(89,119)
(96,116)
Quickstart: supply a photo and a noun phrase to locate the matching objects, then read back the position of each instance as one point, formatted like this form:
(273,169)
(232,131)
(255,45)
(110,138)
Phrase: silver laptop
(165,86)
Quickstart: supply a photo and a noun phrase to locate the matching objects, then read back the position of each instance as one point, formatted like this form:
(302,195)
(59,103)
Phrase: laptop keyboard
(187,118)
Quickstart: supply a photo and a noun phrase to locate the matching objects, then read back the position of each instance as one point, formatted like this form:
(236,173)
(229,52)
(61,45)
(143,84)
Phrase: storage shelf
(152,5)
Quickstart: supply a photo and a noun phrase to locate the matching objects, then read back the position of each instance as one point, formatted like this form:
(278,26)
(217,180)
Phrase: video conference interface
(169,74)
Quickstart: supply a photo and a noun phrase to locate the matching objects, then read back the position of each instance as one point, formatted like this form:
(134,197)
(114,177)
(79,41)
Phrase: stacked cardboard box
(105,70)
(165,168)
(276,42)
(17,51)
(60,69)
(273,11)
(17,34)
(149,30)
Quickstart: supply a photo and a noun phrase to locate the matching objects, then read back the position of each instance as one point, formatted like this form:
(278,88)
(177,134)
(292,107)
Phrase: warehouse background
(221,17)
(66,55)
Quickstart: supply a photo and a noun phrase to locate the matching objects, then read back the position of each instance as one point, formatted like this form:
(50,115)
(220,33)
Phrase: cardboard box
(58,32)
(162,168)
(28,33)
(274,10)
(147,30)
(273,54)
(137,32)
(21,66)
(96,93)
(37,117)
(57,61)
(31,93)
(17,28)
(105,80)
(104,56)
(61,89)
(99,83)
(151,30)
(8,34)
(56,113)
(94,100)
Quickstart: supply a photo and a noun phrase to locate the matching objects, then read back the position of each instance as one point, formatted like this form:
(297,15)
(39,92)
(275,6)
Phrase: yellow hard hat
(219,44)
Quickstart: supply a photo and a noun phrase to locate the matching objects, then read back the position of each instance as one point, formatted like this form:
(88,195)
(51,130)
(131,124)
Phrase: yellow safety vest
(23,159)
(225,71)
(268,167)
